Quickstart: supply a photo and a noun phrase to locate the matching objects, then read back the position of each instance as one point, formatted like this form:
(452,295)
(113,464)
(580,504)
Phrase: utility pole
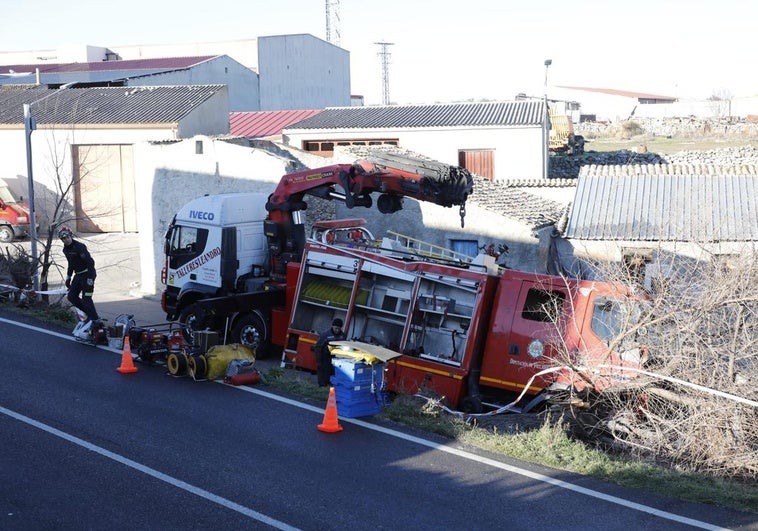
(385,56)
(546,130)
(30,124)
(333,21)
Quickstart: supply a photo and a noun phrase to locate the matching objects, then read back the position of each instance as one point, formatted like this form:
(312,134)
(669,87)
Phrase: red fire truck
(465,330)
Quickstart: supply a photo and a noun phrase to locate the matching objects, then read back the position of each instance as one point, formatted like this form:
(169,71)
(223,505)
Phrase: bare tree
(694,401)
(60,204)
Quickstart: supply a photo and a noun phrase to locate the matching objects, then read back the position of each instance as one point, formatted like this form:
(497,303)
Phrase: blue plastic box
(348,370)
(358,387)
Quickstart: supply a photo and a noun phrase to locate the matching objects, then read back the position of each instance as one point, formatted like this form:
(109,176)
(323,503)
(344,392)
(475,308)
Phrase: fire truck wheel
(250,331)
(471,405)
(6,234)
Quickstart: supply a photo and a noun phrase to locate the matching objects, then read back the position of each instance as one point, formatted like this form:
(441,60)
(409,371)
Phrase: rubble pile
(567,167)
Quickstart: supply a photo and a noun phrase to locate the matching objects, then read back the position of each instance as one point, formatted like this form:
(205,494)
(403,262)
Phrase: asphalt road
(86,447)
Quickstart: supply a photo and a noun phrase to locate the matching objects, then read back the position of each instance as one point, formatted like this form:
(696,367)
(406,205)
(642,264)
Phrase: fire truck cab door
(523,332)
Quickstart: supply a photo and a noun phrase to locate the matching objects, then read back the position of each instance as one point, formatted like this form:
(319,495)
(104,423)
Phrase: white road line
(228,504)
(429,444)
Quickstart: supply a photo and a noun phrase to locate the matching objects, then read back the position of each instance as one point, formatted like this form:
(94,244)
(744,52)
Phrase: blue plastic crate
(349,394)
(350,370)
(360,408)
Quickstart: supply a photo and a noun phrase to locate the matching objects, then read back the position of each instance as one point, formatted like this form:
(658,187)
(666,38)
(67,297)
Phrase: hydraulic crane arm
(392,176)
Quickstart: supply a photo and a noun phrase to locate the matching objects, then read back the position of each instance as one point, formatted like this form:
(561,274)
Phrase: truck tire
(189,321)
(250,330)
(6,234)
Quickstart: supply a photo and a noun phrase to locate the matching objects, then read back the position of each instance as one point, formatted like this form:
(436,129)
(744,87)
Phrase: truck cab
(559,334)
(14,216)
(214,246)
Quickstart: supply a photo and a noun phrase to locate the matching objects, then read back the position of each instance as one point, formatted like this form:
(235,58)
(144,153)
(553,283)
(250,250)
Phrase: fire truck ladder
(429,250)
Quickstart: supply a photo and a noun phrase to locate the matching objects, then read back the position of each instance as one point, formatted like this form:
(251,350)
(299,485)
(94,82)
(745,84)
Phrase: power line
(385,56)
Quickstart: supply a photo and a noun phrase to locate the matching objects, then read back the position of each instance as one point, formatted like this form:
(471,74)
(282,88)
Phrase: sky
(442,50)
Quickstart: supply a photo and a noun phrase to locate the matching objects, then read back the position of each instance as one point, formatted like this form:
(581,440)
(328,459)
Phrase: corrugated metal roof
(97,71)
(103,105)
(645,207)
(165,63)
(514,113)
(265,123)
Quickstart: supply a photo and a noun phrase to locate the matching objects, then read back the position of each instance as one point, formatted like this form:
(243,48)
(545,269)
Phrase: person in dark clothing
(80,276)
(323,357)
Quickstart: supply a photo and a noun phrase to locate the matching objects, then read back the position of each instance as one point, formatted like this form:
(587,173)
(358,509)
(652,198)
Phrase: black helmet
(337,322)
(65,231)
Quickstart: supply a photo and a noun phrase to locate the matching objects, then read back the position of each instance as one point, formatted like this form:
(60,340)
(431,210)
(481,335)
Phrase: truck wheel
(250,331)
(6,234)
(189,321)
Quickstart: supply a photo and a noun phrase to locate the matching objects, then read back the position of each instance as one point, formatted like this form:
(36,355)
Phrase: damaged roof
(513,200)
(481,114)
(103,105)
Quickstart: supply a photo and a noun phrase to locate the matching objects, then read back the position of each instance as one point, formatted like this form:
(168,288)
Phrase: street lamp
(546,129)
(30,124)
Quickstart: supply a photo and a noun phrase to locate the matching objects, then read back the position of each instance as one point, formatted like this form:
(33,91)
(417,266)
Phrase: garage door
(104,188)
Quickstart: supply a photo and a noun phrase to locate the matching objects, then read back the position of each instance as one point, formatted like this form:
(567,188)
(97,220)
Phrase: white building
(496,140)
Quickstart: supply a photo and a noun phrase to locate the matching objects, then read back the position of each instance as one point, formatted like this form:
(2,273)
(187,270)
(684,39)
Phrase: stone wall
(562,166)
(674,127)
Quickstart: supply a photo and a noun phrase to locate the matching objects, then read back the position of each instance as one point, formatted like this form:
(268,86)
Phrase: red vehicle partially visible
(14,216)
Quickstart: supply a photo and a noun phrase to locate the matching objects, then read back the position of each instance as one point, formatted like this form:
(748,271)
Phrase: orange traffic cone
(330,423)
(127,363)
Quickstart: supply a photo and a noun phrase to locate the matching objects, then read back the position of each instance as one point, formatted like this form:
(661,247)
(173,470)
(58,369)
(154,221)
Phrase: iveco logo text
(199,214)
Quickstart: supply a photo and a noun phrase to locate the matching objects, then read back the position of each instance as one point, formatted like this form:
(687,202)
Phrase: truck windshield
(187,240)
(6,195)
(613,317)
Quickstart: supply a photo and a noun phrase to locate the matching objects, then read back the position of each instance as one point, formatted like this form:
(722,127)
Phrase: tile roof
(513,200)
(481,114)
(103,105)
(265,123)
(685,207)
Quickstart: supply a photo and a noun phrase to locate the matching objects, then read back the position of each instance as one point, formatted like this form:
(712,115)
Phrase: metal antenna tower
(385,55)
(333,21)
